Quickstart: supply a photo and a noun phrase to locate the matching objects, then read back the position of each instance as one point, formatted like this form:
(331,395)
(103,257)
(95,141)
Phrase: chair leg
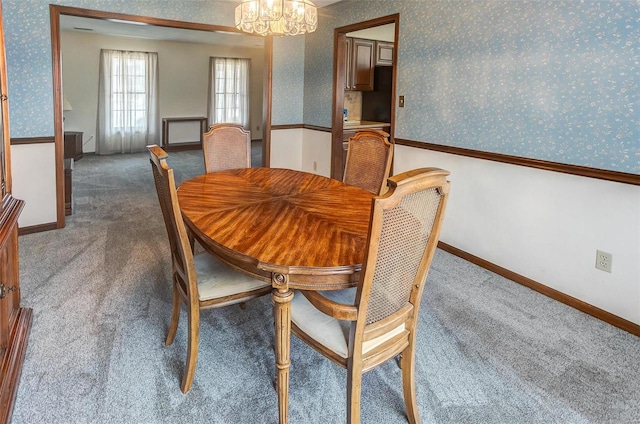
(175,316)
(354,389)
(192,347)
(409,384)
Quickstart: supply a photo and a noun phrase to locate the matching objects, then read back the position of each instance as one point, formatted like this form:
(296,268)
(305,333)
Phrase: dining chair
(363,327)
(368,161)
(200,281)
(226,146)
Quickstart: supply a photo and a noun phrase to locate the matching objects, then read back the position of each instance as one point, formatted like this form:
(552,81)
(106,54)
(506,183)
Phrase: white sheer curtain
(127,102)
(229,91)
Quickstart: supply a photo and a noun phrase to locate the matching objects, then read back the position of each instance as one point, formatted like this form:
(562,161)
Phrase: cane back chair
(226,146)
(363,327)
(368,163)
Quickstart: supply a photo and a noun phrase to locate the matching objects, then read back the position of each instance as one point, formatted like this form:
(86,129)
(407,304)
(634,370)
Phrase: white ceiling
(380,33)
(124,29)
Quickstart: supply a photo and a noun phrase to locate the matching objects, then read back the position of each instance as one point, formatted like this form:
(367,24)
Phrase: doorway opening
(343,57)
(156,24)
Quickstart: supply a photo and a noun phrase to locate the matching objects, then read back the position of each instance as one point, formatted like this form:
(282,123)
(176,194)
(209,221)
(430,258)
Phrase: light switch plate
(401,102)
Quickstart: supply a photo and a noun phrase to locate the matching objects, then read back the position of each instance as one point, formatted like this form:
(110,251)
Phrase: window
(128,94)
(229,91)
(127,101)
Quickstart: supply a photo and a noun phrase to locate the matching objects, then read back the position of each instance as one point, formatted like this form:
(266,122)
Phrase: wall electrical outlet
(603,260)
(315,165)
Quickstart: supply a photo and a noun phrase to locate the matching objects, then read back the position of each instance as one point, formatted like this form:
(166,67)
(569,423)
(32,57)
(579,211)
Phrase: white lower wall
(543,225)
(540,224)
(34,181)
(301,149)
(286,149)
(316,152)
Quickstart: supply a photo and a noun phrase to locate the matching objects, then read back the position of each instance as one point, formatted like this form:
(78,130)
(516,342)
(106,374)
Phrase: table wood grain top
(280,220)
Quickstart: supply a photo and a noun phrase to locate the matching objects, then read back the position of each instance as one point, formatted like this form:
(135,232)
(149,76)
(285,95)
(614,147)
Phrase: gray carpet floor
(489,350)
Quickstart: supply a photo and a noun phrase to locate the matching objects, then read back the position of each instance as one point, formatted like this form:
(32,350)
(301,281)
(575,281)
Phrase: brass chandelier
(276,17)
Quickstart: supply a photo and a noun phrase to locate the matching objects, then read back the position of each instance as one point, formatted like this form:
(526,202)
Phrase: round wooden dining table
(295,229)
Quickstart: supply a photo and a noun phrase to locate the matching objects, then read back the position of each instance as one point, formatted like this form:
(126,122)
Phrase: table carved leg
(282,297)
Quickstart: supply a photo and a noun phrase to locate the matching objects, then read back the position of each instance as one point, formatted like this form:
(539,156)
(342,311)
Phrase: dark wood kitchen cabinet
(73,145)
(360,64)
(384,53)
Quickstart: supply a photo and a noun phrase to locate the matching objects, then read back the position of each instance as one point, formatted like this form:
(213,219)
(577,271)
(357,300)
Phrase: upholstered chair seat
(326,330)
(217,280)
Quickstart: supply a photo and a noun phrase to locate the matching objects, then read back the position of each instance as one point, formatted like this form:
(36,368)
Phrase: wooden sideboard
(68,186)
(15,321)
(73,145)
(72,152)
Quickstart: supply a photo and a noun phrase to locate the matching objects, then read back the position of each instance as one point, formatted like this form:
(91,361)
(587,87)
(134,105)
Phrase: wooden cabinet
(73,145)
(72,152)
(361,57)
(68,186)
(15,321)
(360,64)
(384,53)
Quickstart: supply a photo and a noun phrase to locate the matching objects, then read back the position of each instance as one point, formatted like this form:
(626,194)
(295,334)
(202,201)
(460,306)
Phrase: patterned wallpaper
(550,80)
(554,80)
(288,81)
(28,48)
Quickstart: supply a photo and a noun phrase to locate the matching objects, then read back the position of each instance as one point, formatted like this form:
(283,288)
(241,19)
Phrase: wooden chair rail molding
(294,126)
(32,140)
(582,171)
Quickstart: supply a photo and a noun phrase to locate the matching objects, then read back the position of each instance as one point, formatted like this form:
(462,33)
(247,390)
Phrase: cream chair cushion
(216,279)
(328,331)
